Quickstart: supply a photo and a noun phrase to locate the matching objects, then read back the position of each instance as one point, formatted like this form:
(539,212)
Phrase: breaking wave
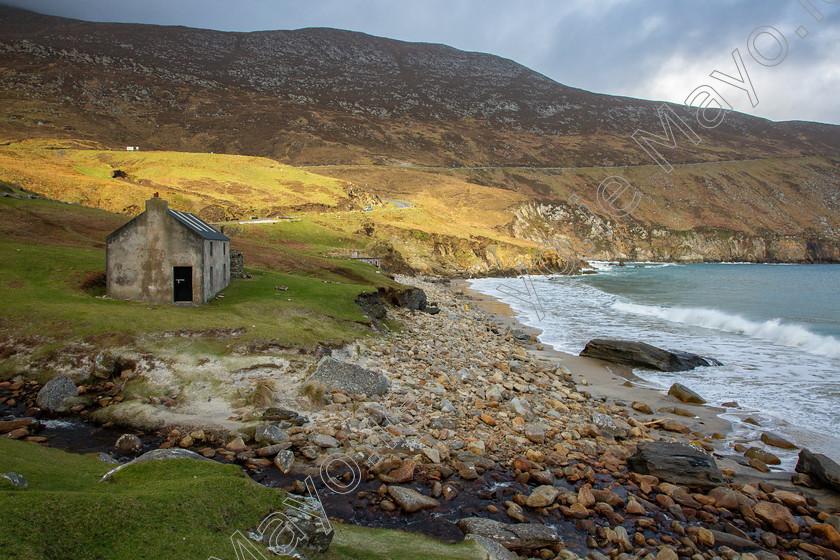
(773,330)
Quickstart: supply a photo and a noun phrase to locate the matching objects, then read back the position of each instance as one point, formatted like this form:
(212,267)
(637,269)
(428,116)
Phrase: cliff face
(327,97)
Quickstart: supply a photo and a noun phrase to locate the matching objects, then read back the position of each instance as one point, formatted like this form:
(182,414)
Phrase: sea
(776,328)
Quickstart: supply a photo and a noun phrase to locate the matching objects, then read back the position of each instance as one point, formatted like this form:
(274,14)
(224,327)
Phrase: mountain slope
(472,139)
(273,92)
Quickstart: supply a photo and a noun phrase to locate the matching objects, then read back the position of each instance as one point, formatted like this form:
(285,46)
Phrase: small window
(211,250)
(224,272)
(211,276)
(224,248)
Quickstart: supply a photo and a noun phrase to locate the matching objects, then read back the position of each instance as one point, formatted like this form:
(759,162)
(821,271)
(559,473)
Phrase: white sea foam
(601,265)
(779,368)
(795,336)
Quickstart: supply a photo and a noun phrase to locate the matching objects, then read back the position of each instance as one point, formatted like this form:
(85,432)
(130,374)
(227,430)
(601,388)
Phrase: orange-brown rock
(777,516)
(827,532)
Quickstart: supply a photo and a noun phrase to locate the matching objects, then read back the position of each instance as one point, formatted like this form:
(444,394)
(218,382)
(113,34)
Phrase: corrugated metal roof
(198,225)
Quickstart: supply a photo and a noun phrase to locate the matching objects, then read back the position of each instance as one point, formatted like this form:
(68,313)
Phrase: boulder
(350,378)
(671,425)
(639,354)
(677,463)
(764,456)
(730,499)
(685,394)
(128,445)
(326,441)
(542,496)
(284,461)
(777,516)
(605,423)
(270,434)
(411,500)
(276,414)
(273,450)
(157,455)
(16,479)
(511,536)
(820,468)
(52,395)
(776,440)
(7,426)
(644,408)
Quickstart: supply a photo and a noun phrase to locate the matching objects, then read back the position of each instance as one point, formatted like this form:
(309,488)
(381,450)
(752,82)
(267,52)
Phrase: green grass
(39,285)
(160,509)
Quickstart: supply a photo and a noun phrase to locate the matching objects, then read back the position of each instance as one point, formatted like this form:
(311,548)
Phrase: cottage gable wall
(142,254)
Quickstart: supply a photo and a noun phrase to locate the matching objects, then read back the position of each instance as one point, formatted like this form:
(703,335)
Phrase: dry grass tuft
(263,395)
(314,392)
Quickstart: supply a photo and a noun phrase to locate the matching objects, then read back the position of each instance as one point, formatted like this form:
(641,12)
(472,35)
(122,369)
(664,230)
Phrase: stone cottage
(166,256)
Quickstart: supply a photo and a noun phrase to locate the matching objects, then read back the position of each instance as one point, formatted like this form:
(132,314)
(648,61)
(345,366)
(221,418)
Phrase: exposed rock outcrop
(640,354)
(820,468)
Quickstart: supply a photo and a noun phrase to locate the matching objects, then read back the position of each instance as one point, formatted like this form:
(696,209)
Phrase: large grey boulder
(52,395)
(677,463)
(516,536)
(157,455)
(820,468)
(351,378)
(270,434)
(639,354)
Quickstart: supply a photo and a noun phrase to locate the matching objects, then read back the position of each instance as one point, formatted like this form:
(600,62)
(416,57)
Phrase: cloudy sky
(653,49)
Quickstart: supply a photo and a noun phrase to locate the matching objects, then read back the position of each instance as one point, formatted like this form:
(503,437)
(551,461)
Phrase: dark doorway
(183,283)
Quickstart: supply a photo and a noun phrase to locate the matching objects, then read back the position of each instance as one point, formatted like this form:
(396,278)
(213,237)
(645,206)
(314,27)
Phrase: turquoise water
(806,295)
(776,328)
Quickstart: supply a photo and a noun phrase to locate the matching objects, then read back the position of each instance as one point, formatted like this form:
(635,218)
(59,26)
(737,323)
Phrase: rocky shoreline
(481,430)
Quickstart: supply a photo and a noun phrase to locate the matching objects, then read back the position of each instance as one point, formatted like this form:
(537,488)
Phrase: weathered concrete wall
(141,256)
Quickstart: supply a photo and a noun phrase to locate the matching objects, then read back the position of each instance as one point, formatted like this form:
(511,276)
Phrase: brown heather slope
(369,108)
(310,95)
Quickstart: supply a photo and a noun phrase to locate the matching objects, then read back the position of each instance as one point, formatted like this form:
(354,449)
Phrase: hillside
(333,96)
(486,150)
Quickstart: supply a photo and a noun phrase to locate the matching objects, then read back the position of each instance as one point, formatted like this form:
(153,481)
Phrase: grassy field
(160,509)
(52,285)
